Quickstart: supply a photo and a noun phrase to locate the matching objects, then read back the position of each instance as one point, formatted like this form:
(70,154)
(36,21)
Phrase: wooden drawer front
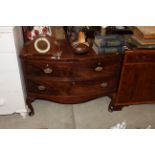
(85,88)
(100,62)
(140,57)
(99,67)
(48,87)
(102,72)
(48,69)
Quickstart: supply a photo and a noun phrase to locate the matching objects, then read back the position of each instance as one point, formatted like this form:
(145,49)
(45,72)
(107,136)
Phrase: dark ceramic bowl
(80,48)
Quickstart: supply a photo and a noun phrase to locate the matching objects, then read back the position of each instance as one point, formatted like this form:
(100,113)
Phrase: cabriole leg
(29,104)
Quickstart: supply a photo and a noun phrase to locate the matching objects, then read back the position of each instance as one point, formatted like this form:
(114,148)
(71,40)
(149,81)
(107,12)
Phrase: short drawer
(104,66)
(97,72)
(48,86)
(6,42)
(94,87)
(144,56)
(95,64)
(46,69)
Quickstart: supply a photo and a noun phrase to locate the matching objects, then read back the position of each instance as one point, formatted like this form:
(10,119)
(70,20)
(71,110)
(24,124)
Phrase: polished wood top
(67,52)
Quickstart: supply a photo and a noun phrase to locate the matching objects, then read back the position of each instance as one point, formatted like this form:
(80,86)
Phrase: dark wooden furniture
(137,81)
(72,78)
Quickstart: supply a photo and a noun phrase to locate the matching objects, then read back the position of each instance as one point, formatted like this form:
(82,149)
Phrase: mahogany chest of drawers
(72,78)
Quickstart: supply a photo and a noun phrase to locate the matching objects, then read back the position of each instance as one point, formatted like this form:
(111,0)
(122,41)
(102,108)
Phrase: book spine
(110,43)
(114,50)
(107,49)
(114,43)
(107,37)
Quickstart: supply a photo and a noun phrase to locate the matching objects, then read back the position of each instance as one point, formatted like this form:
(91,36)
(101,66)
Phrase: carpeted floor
(89,115)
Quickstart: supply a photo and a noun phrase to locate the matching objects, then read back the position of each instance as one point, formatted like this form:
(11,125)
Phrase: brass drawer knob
(48,70)
(104,84)
(41,87)
(98,69)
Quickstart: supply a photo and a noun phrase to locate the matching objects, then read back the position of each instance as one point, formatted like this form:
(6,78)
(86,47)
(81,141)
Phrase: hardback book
(110,40)
(144,35)
(109,43)
(106,50)
(145,32)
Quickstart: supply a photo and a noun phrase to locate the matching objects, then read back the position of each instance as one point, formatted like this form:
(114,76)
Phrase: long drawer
(48,86)
(97,67)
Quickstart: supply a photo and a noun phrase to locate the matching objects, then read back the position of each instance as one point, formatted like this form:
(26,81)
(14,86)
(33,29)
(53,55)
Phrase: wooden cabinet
(137,82)
(72,78)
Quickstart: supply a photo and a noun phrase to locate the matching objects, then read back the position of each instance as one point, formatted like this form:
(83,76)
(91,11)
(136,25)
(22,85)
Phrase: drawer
(9,81)
(48,87)
(100,86)
(52,69)
(6,42)
(8,62)
(105,66)
(134,57)
(97,72)
(93,64)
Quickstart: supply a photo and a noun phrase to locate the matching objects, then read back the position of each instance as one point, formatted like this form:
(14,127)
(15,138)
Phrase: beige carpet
(90,115)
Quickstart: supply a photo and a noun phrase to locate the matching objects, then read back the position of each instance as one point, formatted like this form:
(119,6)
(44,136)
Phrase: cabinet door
(137,82)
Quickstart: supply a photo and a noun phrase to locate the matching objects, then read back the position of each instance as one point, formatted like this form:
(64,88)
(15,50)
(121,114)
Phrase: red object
(44,30)
(36,32)
(29,35)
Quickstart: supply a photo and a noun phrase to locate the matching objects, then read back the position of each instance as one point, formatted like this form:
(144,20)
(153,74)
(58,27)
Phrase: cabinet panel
(141,57)
(137,84)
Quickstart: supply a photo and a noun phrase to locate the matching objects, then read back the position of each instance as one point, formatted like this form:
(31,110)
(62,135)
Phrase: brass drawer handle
(104,84)
(48,70)
(41,87)
(98,69)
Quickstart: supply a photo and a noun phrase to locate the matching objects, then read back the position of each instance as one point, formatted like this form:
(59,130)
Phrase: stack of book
(144,35)
(108,44)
